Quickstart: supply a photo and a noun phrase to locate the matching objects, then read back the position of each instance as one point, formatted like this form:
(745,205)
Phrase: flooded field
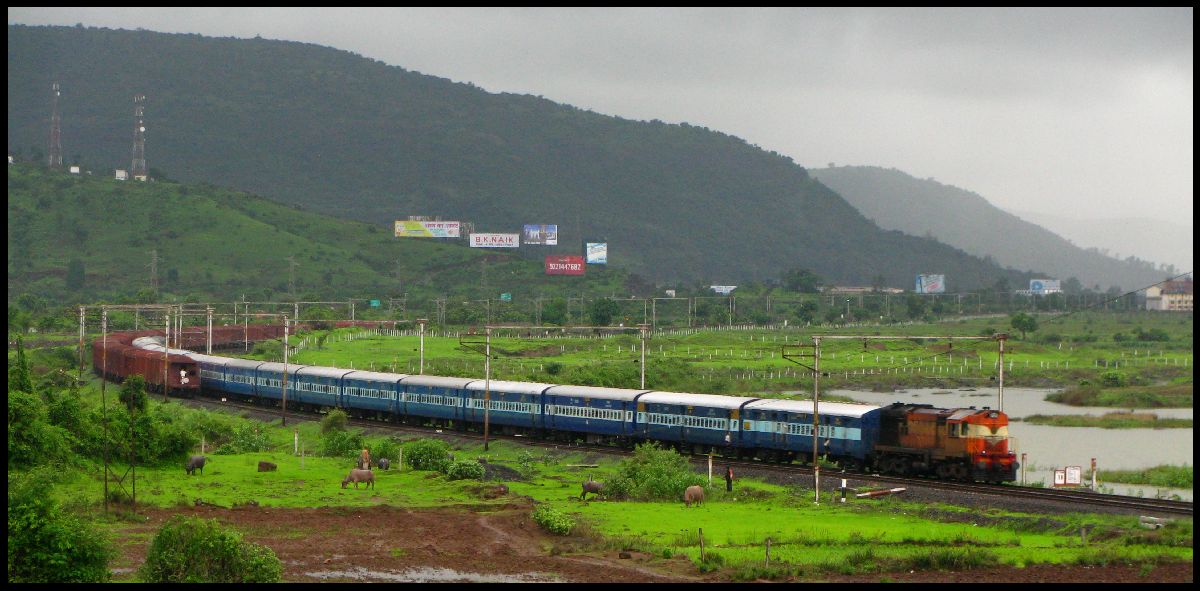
(1048,447)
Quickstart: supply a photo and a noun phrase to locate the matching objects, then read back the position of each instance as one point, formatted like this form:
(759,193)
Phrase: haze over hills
(1155,240)
(341,134)
(922,207)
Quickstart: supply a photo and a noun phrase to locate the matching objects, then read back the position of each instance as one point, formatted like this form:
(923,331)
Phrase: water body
(428,575)
(1048,447)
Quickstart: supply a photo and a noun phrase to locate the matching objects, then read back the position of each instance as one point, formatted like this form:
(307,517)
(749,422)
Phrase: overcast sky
(1084,113)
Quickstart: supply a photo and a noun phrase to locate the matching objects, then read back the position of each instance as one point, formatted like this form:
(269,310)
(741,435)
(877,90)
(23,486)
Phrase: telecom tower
(138,171)
(55,131)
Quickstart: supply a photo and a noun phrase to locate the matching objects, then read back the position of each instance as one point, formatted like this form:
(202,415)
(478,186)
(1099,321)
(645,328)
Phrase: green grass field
(725,361)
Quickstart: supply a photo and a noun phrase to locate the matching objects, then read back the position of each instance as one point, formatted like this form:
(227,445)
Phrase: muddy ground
(389,544)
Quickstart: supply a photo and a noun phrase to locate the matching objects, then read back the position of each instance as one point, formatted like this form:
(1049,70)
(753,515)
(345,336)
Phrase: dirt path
(390,544)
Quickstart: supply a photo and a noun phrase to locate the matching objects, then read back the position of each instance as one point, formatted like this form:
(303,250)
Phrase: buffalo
(693,494)
(356,476)
(193,463)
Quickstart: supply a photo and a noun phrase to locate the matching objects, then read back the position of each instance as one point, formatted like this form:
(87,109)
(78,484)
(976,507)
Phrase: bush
(341,444)
(553,520)
(385,448)
(246,438)
(652,474)
(45,543)
(194,550)
(465,470)
(428,454)
(1112,379)
(336,420)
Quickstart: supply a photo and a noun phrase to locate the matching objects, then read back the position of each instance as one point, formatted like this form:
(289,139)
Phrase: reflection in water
(1047,447)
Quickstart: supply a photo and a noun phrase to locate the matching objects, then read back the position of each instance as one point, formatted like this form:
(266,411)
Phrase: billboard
(495,240)
(540,234)
(564,265)
(931,284)
(419,229)
(597,253)
(723,289)
(1045,286)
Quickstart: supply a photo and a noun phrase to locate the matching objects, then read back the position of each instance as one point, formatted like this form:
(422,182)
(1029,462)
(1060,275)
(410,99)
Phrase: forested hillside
(345,135)
(82,239)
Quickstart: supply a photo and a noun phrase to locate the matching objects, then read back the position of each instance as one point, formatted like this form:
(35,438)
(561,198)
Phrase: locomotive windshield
(986,431)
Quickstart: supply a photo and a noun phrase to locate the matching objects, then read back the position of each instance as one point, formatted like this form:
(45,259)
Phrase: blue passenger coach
(512,404)
(372,391)
(784,428)
(433,397)
(241,376)
(695,420)
(268,380)
(317,386)
(598,413)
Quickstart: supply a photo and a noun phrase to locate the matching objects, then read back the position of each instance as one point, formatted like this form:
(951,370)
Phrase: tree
(18,375)
(801,280)
(75,275)
(602,311)
(1024,323)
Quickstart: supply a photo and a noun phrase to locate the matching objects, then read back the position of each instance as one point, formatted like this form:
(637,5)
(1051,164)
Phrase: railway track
(829,476)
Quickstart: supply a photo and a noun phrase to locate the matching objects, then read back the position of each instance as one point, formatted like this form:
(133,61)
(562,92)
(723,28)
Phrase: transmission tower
(55,129)
(139,138)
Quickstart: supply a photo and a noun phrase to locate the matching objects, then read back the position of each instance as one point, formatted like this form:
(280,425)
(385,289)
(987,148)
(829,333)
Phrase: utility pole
(644,328)
(283,410)
(422,322)
(208,348)
(793,353)
(1001,338)
(55,129)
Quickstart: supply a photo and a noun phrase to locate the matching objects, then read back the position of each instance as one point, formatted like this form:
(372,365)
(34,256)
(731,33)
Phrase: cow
(266,467)
(693,494)
(356,476)
(193,463)
(591,486)
(384,464)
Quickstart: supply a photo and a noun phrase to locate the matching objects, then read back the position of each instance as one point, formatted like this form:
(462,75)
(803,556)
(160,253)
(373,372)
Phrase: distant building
(855,289)
(1170,296)
(74,170)
(122,175)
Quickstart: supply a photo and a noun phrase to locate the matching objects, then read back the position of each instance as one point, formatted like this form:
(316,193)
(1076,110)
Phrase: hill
(960,218)
(215,243)
(357,138)
(1148,239)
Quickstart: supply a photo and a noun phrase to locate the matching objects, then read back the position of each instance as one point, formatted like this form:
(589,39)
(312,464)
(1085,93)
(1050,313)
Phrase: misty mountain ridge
(896,200)
(1161,241)
(353,137)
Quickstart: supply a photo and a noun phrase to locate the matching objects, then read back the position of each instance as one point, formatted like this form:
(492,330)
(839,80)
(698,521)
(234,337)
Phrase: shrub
(45,543)
(465,470)
(553,520)
(341,444)
(246,438)
(336,420)
(385,448)
(653,473)
(1112,379)
(194,550)
(428,454)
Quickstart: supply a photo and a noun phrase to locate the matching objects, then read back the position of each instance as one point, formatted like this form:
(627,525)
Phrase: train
(966,444)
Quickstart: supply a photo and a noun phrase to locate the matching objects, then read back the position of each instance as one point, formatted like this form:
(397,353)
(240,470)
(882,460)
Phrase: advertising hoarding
(540,234)
(564,265)
(419,229)
(1045,286)
(723,289)
(597,253)
(931,284)
(495,240)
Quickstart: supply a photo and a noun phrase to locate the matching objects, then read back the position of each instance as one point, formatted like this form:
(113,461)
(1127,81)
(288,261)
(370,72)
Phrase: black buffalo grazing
(194,463)
(384,464)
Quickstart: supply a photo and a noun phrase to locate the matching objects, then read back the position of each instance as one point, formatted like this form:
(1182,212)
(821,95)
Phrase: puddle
(121,571)
(428,575)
